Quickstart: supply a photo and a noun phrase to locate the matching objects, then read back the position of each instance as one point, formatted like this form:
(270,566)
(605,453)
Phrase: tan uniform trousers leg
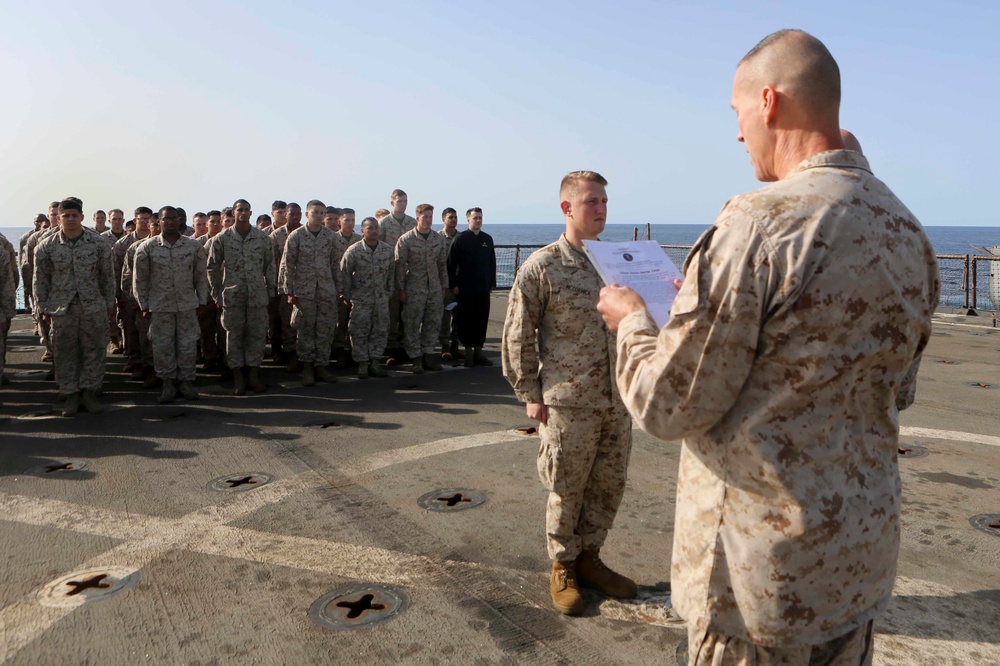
(706,648)
(582,462)
(79,348)
(174,336)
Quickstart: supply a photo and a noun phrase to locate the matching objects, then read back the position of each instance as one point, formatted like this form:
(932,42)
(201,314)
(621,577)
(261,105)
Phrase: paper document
(641,265)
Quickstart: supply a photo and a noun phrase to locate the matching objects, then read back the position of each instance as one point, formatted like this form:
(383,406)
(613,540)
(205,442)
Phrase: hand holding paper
(651,277)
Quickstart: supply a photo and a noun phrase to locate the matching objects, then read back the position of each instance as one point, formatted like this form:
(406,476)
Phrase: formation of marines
(168,297)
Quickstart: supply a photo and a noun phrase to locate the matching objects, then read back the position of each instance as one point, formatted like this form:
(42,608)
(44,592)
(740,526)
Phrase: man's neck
(373,243)
(71,236)
(171,238)
(292,226)
(795,147)
(242,227)
(139,233)
(314,227)
(399,218)
(576,239)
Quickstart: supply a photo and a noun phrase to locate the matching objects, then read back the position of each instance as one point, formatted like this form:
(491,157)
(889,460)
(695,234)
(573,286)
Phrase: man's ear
(768,105)
(565,206)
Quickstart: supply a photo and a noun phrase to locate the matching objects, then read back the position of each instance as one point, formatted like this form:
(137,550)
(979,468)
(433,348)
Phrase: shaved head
(850,141)
(798,65)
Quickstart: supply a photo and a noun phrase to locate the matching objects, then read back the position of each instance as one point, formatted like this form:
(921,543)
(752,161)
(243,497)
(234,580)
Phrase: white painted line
(419,451)
(950,435)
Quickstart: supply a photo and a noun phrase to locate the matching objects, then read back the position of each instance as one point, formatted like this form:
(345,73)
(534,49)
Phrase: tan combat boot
(594,574)
(72,405)
(324,375)
(239,382)
(308,374)
(169,392)
(186,389)
(89,401)
(253,380)
(564,589)
(377,369)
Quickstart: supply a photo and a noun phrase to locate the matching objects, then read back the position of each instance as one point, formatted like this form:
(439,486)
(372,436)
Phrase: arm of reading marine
(682,379)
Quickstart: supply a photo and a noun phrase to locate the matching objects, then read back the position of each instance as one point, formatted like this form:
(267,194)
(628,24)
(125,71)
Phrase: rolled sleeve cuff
(637,322)
(531,395)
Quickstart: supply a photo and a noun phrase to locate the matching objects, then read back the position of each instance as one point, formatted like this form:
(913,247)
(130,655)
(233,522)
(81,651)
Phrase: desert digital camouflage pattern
(793,343)
(557,350)
(8,306)
(310,271)
(368,280)
(422,272)
(390,229)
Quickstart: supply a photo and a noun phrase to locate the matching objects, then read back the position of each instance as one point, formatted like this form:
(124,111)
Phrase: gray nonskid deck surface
(230,577)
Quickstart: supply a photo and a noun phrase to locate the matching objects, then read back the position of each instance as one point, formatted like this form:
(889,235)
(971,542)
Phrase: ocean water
(946,240)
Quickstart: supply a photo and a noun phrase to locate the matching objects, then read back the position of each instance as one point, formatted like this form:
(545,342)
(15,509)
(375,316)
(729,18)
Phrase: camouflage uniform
(115,321)
(281,308)
(129,309)
(389,231)
(447,332)
(310,271)
(23,269)
(340,338)
(210,319)
(28,270)
(170,282)
(74,283)
(368,279)
(241,277)
(8,291)
(792,345)
(422,272)
(558,351)
(144,344)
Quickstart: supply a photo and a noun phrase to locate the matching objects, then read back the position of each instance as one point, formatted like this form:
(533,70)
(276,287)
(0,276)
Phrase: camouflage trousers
(145,346)
(211,332)
(114,325)
(707,648)
(246,334)
(421,321)
(130,333)
(395,339)
(287,330)
(582,462)
(314,321)
(174,337)
(369,329)
(79,346)
(340,339)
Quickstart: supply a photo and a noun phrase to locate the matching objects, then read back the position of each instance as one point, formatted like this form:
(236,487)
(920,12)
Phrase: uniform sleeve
(442,265)
(402,255)
(390,275)
(216,259)
(346,268)
(287,267)
(117,263)
(42,282)
(381,230)
(141,277)
(270,273)
(8,307)
(106,275)
(201,274)
(336,255)
(681,380)
(519,344)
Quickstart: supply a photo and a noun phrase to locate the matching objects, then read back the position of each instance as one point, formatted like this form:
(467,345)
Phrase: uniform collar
(570,255)
(839,159)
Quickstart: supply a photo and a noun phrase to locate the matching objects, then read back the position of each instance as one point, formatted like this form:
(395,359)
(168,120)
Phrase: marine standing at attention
(368,274)
(792,346)
(560,357)
(75,291)
(241,277)
(309,277)
(421,277)
(171,287)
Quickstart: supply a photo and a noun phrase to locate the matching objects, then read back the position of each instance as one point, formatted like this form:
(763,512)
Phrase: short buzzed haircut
(167,209)
(70,204)
(332,210)
(240,201)
(315,202)
(278,205)
(199,214)
(214,212)
(447,211)
(422,208)
(99,212)
(368,220)
(116,210)
(381,212)
(347,211)
(469,212)
(571,182)
(294,205)
(807,67)
(396,193)
(143,210)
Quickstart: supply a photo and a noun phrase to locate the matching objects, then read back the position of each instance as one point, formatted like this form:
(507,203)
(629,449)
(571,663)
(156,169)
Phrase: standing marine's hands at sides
(537,411)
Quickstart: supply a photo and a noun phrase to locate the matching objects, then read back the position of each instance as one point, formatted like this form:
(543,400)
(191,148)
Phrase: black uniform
(472,267)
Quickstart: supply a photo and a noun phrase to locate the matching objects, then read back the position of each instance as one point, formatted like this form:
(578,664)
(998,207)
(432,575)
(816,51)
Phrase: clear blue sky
(462,104)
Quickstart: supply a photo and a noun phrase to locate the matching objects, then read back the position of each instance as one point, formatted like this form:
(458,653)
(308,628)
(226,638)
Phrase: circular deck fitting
(358,606)
(527,431)
(237,483)
(682,653)
(451,499)
(59,468)
(911,451)
(87,586)
(985,385)
(987,522)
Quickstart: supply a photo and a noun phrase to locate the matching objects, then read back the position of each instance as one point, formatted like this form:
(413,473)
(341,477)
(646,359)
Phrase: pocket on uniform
(550,459)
